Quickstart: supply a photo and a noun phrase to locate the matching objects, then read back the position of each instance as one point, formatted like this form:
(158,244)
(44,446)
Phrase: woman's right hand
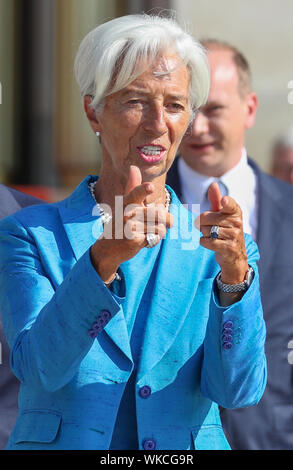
(108,252)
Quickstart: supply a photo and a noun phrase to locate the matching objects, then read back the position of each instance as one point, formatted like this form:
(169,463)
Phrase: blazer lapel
(269,219)
(83,226)
(80,220)
(167,314)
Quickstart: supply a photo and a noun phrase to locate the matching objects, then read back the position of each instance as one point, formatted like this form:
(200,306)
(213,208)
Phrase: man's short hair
(240,61)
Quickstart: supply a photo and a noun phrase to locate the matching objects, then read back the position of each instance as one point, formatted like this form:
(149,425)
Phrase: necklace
(106,217)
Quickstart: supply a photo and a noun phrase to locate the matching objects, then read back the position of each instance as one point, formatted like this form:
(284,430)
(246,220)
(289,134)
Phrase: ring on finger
(214,232)
(151,239)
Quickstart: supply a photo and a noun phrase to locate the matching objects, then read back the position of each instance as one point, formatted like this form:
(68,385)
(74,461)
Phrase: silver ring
(214,232)
(151,239)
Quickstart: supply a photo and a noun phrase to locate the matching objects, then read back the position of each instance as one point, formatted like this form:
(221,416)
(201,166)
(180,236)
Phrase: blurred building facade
(263,31)
(45,139)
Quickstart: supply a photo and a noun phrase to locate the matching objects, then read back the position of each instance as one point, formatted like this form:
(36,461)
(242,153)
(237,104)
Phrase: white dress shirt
(240,182)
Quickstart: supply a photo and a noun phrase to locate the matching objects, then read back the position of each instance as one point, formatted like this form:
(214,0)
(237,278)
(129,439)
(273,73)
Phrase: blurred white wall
(263,31)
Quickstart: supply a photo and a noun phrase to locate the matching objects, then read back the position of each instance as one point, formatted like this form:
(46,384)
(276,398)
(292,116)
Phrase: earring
(97,134)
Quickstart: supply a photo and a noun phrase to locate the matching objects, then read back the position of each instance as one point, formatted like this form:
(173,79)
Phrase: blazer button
(93,333)
(106,315)
(98,325)
(227,338)
(149,444)
(227,345)
(228,324)
(145,391)
(227,331)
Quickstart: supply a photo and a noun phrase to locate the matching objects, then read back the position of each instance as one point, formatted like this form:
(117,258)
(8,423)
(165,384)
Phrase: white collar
(192,182)
(197,184)
(240,175)
(240,181)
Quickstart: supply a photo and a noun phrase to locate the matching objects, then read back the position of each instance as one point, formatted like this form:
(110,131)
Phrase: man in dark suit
(214,149)
(10,201)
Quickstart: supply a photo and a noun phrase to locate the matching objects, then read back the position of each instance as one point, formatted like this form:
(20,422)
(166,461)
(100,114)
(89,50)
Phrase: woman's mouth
(151,153)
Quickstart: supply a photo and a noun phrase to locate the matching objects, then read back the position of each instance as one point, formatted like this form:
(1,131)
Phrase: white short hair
(110,56)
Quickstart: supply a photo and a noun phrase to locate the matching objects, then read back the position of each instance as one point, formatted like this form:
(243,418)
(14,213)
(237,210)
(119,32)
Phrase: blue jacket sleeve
(236,377)
(47,328)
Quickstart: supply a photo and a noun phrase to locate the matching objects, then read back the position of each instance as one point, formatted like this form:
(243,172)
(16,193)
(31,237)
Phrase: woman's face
(144,123)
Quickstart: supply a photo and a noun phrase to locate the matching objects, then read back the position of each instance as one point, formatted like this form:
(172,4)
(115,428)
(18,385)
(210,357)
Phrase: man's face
(214,144)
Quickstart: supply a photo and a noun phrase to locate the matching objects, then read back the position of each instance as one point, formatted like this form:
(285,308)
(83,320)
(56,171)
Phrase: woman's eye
(134,102)
(175,106)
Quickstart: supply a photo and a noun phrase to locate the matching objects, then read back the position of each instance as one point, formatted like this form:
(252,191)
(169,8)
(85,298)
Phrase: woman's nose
(155,120)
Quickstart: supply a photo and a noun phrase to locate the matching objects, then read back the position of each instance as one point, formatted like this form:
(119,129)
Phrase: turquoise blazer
(70,345)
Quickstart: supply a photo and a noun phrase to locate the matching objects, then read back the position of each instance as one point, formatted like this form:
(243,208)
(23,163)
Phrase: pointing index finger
(215,197)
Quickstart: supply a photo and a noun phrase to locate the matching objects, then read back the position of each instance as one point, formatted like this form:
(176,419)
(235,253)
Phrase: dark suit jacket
(10,201)
(268,425)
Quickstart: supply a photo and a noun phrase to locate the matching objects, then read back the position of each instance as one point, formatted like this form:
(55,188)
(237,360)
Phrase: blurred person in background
(114,348)
(11,201)
(282,157)
(214,150)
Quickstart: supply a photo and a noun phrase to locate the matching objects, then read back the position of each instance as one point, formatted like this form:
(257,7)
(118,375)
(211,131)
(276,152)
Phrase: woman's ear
(91,114)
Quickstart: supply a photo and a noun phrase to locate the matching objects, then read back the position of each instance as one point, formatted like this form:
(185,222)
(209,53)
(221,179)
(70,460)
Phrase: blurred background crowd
(46,146)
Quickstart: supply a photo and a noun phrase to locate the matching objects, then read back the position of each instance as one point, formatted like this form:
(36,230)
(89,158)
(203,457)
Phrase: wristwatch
(231,288)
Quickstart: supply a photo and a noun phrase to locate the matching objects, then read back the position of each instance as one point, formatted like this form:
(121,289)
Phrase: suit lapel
(79,219)
(269,219)
(83,226)
(173,178)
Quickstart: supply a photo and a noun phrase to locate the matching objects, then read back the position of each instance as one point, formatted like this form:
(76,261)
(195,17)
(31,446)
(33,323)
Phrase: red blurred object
(42,192)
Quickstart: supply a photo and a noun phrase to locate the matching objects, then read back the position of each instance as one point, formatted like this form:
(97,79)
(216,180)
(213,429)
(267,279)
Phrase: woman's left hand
(229,247)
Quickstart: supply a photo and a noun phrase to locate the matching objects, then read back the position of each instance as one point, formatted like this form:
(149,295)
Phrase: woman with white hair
(124,335)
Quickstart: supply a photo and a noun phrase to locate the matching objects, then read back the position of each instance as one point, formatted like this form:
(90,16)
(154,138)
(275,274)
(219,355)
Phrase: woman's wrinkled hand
(137,220)
(229,247)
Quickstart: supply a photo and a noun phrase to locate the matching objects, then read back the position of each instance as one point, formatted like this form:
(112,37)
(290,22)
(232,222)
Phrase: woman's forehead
(170,69)
(162,64)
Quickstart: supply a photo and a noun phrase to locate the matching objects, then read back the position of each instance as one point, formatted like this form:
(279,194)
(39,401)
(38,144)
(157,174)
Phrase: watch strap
(232,288)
